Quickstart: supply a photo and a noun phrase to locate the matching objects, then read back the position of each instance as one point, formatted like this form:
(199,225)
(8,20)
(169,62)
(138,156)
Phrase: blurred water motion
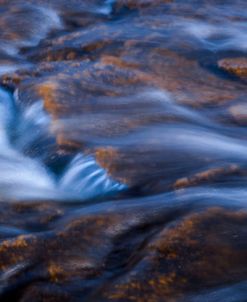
(25,177)
(123,150)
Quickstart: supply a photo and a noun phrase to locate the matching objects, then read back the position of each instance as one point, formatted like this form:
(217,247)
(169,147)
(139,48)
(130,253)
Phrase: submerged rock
(185,256)
(125,105)
(17,33)
(126,83)
(29,216)
(164,258)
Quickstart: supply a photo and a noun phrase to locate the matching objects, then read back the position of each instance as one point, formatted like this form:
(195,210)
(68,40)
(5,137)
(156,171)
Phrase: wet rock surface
(123,150)
(237,66)
(93,254)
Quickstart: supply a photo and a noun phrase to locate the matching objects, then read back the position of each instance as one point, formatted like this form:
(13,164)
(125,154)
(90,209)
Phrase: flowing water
(123,150)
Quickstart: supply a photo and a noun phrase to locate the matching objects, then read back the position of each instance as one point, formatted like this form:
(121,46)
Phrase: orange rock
(237,66)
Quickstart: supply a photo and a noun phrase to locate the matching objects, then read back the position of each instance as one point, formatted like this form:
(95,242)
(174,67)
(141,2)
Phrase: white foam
(87,178)
(24,177)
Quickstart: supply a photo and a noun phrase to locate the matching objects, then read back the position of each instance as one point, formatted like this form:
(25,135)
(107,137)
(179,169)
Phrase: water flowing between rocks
(123,150)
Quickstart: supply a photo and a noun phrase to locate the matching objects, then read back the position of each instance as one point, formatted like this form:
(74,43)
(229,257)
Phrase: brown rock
(117,103)
(202,250)
(133,250)
(75,251)
(237,66)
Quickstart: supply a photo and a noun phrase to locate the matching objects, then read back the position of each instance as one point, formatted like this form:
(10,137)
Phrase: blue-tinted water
(123,150)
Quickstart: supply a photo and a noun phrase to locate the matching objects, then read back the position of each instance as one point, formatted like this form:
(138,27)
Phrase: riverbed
(123,150)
